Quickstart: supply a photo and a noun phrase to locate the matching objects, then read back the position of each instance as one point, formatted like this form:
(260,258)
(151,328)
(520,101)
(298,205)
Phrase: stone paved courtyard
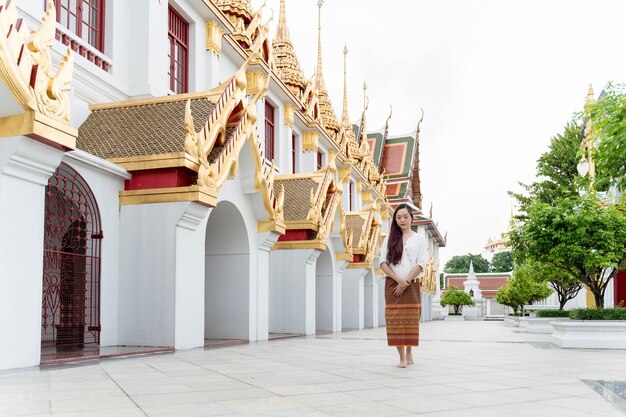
(462,369)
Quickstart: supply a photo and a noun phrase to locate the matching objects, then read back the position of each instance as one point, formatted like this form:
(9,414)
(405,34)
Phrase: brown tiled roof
(297,196)
(139,130)
(354,223)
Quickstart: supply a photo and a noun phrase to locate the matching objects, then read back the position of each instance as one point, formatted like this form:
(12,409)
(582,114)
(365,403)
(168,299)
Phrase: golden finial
(282,31)
(319,78)
(345,119)
(591,100)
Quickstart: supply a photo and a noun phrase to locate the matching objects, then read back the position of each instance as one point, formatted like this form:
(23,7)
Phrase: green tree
(566,285)
(456,298)
(579,235)
(502,262)
(522,289)
(556,169)
(608,117)
(460,264)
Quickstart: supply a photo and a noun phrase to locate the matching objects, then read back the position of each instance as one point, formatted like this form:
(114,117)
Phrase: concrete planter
(589,334)
(541,325)
(523,322)
(454,318)
(511,321)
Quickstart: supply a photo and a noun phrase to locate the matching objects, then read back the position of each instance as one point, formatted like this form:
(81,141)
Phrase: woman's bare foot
(409,359)
(401,365)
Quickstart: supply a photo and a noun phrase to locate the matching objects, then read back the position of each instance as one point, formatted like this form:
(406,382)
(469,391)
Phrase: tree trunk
(562,301)
(599,298)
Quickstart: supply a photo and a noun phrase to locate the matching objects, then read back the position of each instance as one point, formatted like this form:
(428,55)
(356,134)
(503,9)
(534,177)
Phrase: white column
(338,297)
(309,292)
(189,270)
(370,300)
(259,316)
(25,167)
(147,65)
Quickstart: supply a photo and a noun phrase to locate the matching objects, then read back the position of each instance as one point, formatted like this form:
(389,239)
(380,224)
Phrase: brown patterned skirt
(402,314)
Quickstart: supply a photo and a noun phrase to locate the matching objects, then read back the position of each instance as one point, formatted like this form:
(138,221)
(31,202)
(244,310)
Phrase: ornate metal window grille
(70,312)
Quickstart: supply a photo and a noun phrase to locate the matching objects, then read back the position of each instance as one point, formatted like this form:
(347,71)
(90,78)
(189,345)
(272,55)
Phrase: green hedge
(552,313)
(598,314)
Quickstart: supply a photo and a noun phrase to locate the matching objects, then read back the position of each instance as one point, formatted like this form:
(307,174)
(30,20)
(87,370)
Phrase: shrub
(598,314)
(552,313)
(456,298)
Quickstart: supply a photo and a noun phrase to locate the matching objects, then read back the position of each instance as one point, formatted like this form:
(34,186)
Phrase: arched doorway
(324,293)
(227,276)
(70,311)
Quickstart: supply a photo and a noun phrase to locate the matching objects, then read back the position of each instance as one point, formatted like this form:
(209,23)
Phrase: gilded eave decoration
(429,283)
(255,36)
(322,204)
(26,69)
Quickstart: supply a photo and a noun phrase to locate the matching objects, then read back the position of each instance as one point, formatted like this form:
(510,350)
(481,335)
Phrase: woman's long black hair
(395,245)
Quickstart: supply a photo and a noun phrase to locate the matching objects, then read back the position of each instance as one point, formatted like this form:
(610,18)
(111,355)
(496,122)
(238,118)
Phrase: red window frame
(85,18)
(178,35)
(293,153)
(269,131)
(320,159)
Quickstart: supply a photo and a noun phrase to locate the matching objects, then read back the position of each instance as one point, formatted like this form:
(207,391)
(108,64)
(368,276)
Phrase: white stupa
(471,284)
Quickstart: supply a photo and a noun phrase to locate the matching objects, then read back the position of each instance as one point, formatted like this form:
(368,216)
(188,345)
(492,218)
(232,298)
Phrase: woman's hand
(403,284)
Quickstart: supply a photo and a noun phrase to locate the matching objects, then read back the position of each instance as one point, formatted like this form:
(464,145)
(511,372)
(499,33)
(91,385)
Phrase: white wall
(292,291)
(149,264)
(25,166)
(353,299)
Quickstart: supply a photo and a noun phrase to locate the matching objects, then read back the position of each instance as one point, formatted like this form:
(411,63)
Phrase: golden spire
(363,117)
(282,31)
(591,100)
(320,77)
(285,59)
(345,119)
(329,119)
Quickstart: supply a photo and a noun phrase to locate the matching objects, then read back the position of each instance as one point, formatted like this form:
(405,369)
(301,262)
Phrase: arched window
(70,312)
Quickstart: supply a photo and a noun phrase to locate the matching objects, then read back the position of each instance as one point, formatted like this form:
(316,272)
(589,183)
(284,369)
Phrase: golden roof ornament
(26,64)
(329,119)
(345,119)
(285,59)
(239,12)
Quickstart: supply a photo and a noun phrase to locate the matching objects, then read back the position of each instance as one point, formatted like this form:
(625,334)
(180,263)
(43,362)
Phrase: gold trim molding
(214,34)
(289,115)
(256,82)
(203,195)
(310,141)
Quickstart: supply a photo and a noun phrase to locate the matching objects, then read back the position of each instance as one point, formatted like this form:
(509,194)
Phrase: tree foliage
(460,264)
(502,262)
(556,169)
(456,298)
(608,117)
(566,285)
(578,235)
(522,289)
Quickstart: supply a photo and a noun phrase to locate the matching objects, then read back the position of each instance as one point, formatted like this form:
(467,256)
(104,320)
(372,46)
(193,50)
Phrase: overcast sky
(496,79)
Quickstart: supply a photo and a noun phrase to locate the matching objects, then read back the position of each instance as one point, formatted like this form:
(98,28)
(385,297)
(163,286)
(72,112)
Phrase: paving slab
(461,368)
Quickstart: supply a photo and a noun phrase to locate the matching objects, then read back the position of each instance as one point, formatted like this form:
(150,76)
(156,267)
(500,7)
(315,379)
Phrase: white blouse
(415,253)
